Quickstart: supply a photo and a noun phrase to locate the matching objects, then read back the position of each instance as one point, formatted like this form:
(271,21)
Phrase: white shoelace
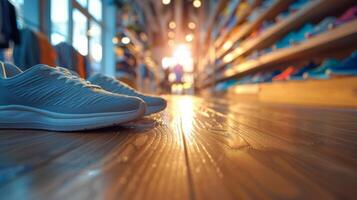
(120,85)
(66,75)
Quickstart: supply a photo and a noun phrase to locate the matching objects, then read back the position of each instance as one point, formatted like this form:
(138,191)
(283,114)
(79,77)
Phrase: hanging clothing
(123,68)
(2,56)
(27,54)
(8,25)
(1,35)
(66,56)
(48,54)
(80,66)
(87,66)
(71,59)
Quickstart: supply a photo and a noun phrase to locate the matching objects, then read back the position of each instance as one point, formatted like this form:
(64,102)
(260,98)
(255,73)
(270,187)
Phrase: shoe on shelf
(264,77)
(283,76)
(302,34)
(298,75)
(347,16)
(154,104)
(320,72)
(44,97)
(326,24)
(347,67)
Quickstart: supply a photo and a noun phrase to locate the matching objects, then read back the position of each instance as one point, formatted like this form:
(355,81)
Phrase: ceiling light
(171,43)
(191,25)
(171,34)
(125,40)
(115,40)
(166,2)
(172,25)
(196,3)
(189,38)
(227,45)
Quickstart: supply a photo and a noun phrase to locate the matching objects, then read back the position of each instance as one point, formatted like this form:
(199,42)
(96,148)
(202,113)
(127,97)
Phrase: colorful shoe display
(347,16)
(325,25)
(298,75)
(245,80)
(302,34)
(347,67)
(297,5)
(285,74)
(320,72)
(263,77)
(44,97)
(295,37)
(154,104)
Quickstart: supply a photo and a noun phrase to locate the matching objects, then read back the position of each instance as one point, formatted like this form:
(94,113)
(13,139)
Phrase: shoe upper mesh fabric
(8,70)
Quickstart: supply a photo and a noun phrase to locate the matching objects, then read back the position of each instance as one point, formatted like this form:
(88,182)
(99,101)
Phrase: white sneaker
(43,97)
(154,104)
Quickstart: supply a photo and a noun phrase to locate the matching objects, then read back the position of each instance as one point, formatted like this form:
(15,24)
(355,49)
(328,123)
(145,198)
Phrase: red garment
(80,66)
(48,54)
(285,74)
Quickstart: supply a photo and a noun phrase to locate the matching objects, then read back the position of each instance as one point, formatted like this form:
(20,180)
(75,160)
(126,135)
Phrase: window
(19,4)
(59,21)
(83,3)
(95,9)
(95,44)
(80,39)
(87,30)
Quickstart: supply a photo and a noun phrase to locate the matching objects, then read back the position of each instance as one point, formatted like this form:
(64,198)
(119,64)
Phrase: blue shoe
(297,5)
(346,67)
(245,80)
(325,25)
(298,75)
(320,72)
(302,34)
(263,77)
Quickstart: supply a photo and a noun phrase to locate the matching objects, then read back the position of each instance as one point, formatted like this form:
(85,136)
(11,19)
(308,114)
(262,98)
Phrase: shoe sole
(23,117)
(154,109)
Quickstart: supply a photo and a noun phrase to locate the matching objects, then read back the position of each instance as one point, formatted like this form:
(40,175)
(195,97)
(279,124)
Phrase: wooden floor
(198,148)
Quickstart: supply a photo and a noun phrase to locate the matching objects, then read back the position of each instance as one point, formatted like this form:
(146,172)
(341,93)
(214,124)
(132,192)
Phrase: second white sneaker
(154,104)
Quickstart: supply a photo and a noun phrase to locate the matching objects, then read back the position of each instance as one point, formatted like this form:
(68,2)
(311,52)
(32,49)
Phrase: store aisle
(198,148)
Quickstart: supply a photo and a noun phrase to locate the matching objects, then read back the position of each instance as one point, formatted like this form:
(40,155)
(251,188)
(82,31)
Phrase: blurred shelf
(244,30)
(332,92)
(311,12)
(220,40)
(212,17)
(329,41)
(225,21)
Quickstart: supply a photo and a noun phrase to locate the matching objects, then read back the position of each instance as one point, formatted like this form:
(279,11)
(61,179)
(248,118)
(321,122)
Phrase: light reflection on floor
(183,108)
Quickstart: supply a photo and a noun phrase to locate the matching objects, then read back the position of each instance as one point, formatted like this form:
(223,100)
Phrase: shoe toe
(155,101)
(127,103)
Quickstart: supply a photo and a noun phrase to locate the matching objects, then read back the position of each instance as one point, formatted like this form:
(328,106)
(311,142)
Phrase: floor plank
(198,148)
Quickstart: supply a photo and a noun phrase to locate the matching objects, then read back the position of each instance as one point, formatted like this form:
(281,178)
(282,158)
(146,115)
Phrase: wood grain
(198,148)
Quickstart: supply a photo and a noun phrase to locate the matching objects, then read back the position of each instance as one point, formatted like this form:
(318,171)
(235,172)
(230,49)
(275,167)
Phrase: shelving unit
(240,32)
(341,38)
(331,40)
(332,92)
(223,23)
(220,40)
(210,22)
